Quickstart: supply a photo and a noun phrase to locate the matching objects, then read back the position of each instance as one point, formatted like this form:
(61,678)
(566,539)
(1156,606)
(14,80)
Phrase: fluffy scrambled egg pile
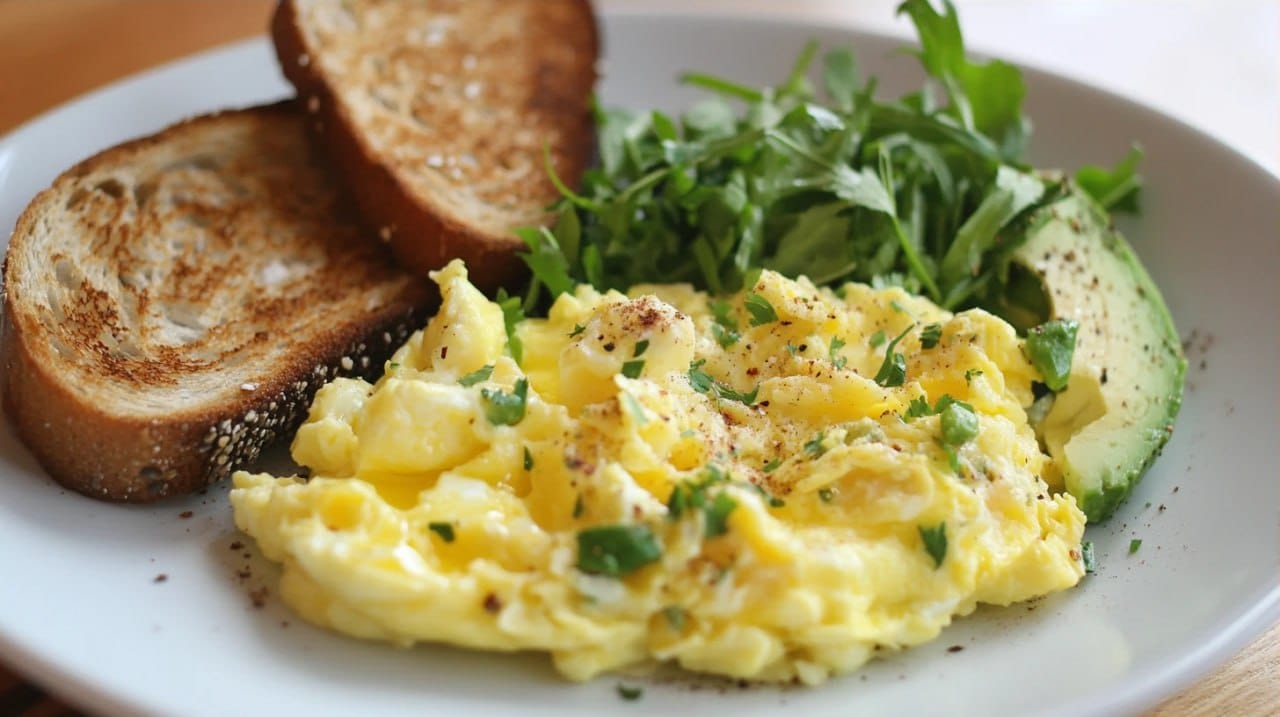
(767,487)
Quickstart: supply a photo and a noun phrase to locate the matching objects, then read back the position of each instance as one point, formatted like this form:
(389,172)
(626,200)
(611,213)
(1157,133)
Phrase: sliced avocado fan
(1125,388)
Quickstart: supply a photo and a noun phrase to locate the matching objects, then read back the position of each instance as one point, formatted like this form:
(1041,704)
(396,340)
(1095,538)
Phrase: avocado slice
(1125,388)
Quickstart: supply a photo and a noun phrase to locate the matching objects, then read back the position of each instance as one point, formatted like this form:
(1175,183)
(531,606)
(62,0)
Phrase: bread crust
(423,234)
(91,449)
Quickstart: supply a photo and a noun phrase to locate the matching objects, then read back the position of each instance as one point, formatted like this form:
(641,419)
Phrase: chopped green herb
(1050,347)
(935,542)
(959,423)
(641,346)
(506,409)
(616,550)
(675,616)
(528,459)
(930,335)
(772,465)
(635,408)
(760,309)
(877,339)
(577,330)
(724,337)
(444,530)
(512,315)
(392,366)
(893,304)
(826,494)
(791,348)
(702,382)
(481,374)
(1086,555)
(630,693)
(717,513)
(579,507)
(632,369)
(833,352)
(1134,545)
(893,372)
(813,446)
(688,433)
(969,374)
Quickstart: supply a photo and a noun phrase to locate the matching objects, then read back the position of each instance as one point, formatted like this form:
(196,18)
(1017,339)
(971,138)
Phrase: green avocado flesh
(1125,387)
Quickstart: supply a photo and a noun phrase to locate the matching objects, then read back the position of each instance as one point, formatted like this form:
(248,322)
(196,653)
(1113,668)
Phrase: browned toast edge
(129,459)
(420,239)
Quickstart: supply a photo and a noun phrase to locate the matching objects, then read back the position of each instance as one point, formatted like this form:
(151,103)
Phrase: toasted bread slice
(438,113)
(171,304)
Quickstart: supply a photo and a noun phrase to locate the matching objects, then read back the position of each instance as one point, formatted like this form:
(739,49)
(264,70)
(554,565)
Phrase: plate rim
(1159,679)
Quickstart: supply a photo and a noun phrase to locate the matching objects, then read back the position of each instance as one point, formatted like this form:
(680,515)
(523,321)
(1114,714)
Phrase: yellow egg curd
(767,486)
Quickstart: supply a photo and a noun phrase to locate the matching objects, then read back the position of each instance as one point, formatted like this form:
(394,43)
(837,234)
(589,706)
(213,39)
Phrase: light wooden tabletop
(68,47)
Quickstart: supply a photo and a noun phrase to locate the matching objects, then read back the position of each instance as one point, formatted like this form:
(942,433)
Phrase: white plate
(81,612)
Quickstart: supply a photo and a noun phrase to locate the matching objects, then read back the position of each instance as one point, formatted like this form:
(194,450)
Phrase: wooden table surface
(67,47)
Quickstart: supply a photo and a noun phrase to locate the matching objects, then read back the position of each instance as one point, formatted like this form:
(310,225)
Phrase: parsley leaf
(616,550)
(877,339)
(481,374)
(506,409)
(512,315)
(1086,555)
(833,352)
(702,382)
(893,371)
(1134,545)
(761,310)
(444,530)
(632,369)
(930,335)
(935,542)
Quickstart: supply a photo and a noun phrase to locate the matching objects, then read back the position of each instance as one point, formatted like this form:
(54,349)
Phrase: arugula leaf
(1118,189)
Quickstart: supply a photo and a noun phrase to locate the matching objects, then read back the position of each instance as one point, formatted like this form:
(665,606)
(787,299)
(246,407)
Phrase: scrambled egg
(769,487)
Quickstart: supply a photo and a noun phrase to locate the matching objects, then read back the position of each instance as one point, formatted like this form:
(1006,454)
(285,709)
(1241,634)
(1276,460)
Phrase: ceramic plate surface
(81,610)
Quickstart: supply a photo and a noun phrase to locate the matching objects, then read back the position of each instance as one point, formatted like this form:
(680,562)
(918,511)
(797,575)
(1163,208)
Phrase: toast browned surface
(437,113)
(172,304)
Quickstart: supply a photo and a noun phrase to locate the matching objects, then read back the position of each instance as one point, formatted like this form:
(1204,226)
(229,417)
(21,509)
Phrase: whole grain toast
(438,111)
(172,304)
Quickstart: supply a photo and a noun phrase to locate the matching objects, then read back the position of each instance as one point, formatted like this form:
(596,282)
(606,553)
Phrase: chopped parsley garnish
(528,459)
(635,408)
(930,335)
(893,372)
(826,494)
(693,495)
(792,349)
(702,382)
(641,346)
(814,447)
(392,366)
(512,315)
(969,374)
(958,421)
(630,693)
(579,507)
(577,330)
(725,329)
(1050,347)
(444,530)
(1086,556)
(761,310)
(772,465)
(616,550)
(877,339)
(1134,545)
(506,409)
(717,514)
(833,352)
(935,542)
(918,408)
(481,374)
(632,368)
